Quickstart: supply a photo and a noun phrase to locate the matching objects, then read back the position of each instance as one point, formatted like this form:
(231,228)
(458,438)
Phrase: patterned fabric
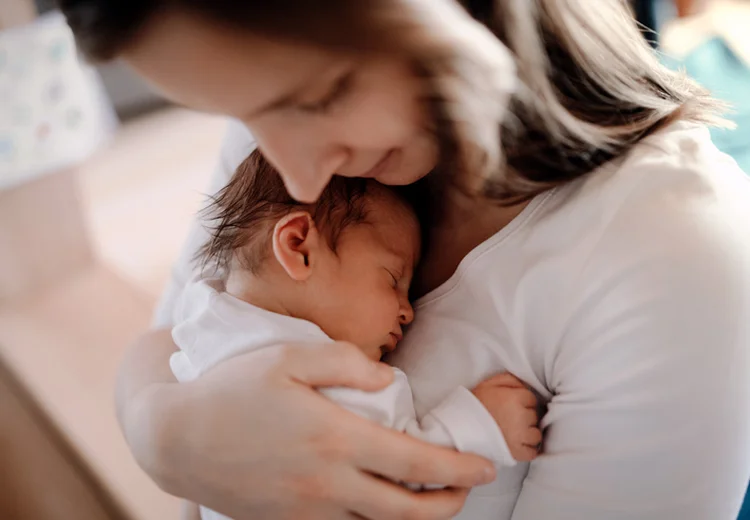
(53,112)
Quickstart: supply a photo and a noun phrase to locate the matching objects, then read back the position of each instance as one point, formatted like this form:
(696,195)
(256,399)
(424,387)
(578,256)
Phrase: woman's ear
(295,243)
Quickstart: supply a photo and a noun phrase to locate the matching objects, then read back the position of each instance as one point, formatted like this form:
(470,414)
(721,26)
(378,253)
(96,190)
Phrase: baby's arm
(497,421)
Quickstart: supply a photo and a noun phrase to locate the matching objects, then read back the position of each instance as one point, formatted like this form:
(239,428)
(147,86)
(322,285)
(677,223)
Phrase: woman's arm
(143,386)
(252,439)
(650,417)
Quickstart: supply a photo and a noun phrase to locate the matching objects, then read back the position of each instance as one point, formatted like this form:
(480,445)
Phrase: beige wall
(16,12)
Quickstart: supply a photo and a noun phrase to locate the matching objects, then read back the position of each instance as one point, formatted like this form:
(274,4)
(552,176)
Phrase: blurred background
(99,181)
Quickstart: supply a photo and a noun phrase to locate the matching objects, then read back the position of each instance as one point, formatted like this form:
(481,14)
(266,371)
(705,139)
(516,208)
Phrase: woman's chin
(402,176)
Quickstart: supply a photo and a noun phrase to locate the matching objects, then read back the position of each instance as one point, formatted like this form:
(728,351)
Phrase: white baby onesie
(213,326)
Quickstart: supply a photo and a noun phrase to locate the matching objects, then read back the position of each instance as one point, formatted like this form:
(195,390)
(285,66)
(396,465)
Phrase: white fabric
(237,145)
(624,299)
(213,326)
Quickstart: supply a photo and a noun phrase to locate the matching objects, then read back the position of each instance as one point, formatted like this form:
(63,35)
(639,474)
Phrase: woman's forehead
(217,69)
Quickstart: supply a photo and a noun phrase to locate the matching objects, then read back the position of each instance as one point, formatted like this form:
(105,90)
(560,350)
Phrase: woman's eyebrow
(293,96)
(289,98)
(284,101)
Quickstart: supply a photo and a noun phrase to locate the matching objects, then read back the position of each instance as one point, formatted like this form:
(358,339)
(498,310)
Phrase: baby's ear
(295,244)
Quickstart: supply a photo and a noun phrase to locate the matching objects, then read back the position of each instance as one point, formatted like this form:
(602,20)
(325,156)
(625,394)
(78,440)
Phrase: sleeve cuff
(472,428)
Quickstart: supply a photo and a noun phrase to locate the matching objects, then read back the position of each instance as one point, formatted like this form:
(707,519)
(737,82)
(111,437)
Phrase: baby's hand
(514,407)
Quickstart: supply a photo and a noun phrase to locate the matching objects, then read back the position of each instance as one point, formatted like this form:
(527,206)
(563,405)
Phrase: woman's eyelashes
(338,91)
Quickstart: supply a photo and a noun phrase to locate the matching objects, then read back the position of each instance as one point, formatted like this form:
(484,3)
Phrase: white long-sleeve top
(623,298)
(211,327)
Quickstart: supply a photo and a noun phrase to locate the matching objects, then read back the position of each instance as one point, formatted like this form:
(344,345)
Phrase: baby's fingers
(533,438)
(525,454)
(528,417)
(505,379)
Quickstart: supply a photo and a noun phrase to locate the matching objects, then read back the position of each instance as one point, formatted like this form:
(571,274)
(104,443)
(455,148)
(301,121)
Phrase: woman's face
(314,112)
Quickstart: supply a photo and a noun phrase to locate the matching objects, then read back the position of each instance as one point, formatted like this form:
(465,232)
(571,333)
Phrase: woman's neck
(465,222)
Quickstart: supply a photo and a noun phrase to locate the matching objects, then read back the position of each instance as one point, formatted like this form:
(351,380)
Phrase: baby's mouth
(395,339)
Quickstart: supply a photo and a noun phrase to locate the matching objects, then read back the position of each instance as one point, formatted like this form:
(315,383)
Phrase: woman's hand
(253,439)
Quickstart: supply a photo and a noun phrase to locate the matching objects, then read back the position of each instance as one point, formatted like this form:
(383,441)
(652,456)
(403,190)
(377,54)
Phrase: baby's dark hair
(243,214)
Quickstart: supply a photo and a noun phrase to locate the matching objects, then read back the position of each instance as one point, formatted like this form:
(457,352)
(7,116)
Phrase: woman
(599,244)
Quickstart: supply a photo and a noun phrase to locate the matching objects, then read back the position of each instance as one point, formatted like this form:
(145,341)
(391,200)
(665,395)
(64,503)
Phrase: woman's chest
(460,339)
(460,233)
(466,336)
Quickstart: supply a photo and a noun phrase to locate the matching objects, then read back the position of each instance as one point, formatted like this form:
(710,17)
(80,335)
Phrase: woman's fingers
(405,459)
(334,364)
(377,499)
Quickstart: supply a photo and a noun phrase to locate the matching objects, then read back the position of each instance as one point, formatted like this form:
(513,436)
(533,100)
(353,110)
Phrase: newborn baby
(335,270)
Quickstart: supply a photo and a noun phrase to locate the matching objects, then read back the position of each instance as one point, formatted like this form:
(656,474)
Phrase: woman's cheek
(372,125)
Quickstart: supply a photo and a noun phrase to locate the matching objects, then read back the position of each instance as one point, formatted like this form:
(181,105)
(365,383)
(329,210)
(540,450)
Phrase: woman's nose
(307,179)
(306,158)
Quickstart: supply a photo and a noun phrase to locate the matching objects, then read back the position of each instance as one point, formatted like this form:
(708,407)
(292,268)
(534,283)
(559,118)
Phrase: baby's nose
(407,314)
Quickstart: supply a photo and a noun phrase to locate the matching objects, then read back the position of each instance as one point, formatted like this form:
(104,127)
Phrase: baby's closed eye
(395,277)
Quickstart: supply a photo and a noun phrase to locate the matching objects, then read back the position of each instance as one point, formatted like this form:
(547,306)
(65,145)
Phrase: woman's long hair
(539,93)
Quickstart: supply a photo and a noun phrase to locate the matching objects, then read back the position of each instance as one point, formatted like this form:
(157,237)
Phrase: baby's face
(363,288)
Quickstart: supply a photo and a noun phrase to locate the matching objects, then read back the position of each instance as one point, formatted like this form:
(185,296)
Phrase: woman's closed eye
(338,91)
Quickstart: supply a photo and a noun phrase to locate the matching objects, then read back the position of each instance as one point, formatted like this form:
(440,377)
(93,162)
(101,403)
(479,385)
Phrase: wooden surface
(40,477)
(65,344)
(65,322)
(79,275)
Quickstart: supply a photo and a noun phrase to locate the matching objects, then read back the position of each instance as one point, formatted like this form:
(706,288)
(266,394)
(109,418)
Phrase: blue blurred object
(652,14)
(745,513)
(716,67)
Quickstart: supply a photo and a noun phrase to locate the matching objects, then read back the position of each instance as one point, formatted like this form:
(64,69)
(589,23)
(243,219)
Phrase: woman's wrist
(149,406)
(151,423)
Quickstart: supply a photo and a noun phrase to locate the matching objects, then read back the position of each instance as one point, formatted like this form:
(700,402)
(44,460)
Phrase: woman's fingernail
(488,475)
